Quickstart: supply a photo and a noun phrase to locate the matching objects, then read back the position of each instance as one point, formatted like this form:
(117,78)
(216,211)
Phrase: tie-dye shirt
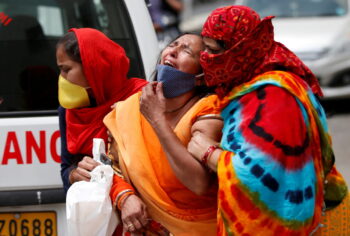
(278,164)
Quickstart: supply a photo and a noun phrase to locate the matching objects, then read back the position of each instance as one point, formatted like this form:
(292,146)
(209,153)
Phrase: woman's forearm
(189,171)
(214,158)
(119,190)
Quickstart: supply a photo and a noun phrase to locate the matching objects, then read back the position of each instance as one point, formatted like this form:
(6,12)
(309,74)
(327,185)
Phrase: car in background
(32,199)
(318,32)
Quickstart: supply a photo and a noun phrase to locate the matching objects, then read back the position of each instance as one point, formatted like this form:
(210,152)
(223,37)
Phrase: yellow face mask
(72,96)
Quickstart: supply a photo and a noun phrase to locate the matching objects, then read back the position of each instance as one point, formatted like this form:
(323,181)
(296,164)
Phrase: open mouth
(168,63)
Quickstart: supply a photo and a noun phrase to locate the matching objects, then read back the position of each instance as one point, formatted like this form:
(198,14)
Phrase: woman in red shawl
(275,163)
(93,76)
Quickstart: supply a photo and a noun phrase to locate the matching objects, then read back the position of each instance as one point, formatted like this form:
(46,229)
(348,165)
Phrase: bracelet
(121,196)
(207,154)
(209,116)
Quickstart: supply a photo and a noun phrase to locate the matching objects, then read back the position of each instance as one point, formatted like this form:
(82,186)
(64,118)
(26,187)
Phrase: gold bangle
(209,116)
(121,195)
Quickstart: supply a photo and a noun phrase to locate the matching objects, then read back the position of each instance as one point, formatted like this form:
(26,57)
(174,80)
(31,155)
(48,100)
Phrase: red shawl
(250,50)
(105,66)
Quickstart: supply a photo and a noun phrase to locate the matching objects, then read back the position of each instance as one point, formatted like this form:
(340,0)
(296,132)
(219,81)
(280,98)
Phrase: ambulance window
(29,31)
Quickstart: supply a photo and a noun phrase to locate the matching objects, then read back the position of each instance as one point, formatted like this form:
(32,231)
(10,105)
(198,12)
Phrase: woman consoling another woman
(275,164)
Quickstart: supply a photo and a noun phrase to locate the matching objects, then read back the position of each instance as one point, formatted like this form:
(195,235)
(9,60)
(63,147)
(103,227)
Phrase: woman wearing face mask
(152,130)
(93,72)
(275,166)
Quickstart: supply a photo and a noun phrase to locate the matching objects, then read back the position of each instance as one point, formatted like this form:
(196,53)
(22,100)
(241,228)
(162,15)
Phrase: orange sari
(145,165)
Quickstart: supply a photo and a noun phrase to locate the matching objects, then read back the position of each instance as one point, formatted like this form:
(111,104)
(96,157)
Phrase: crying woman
(152,129)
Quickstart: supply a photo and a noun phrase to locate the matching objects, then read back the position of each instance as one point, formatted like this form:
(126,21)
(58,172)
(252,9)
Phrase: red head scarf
(250,50)
(105,66)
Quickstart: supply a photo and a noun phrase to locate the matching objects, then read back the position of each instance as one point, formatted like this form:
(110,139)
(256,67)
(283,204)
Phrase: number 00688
(28,224)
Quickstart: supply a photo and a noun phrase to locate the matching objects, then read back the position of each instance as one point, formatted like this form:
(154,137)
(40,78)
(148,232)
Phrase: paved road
(339,127)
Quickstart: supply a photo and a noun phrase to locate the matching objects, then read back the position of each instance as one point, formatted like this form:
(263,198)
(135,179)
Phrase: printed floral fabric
(250,49)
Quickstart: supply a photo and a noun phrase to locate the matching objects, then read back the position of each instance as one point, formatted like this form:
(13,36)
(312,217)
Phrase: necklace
(178,108)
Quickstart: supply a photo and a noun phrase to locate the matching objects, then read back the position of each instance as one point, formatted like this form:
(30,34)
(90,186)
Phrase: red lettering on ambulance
(53,141)
(8,21)
(3,17)
(32,144)
(16,154)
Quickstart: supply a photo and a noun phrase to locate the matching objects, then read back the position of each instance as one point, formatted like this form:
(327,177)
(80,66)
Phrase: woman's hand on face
(199,144)
(82,172)
(152,102)
(134,214)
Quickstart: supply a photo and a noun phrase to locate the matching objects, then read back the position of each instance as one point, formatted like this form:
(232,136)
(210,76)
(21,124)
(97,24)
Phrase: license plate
(28,224)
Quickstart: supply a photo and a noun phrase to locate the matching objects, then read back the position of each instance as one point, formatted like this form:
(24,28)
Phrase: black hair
(71,46)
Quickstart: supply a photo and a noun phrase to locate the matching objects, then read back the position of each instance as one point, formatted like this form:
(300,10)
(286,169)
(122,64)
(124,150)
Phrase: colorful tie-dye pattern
(278,155)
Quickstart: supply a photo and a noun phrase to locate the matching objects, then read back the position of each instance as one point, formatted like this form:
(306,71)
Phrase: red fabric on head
(250,50)
(105,66)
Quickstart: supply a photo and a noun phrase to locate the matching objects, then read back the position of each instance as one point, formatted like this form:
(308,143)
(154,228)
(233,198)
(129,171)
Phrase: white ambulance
(32,200)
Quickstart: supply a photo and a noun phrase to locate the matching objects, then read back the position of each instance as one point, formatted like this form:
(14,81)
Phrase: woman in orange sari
(152,130)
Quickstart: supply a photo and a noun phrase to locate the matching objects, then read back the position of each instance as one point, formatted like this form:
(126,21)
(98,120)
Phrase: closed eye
(64,69)
(188,51)
(213,51)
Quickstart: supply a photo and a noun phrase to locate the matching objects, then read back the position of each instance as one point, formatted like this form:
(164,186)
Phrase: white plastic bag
(88,205)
